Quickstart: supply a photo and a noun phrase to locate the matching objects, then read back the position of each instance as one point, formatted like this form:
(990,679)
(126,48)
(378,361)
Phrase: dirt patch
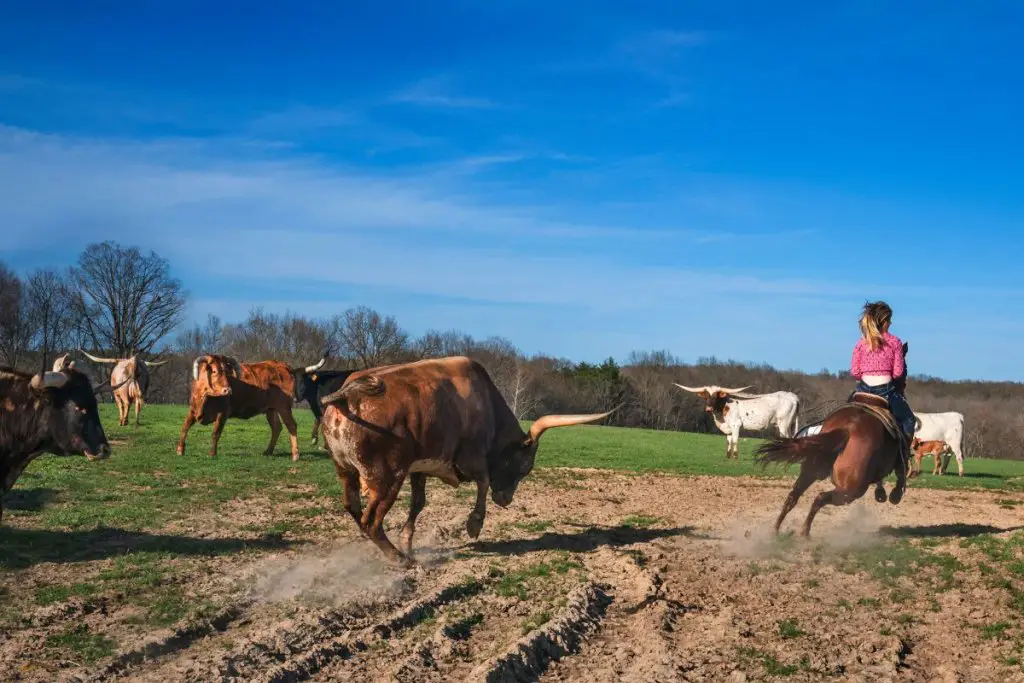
(586,577)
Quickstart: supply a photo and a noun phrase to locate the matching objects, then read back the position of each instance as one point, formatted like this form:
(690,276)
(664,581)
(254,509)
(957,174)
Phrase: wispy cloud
(438,92)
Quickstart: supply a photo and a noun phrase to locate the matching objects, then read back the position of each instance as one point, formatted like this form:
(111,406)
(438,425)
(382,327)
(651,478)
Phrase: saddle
(879,407)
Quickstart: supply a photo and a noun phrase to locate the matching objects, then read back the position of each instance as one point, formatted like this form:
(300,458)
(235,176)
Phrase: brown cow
(132,376)
(222,388)
(933,448)
(442,418)
(52,412)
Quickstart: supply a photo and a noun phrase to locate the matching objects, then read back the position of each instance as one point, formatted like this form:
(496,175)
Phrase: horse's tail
(822,448)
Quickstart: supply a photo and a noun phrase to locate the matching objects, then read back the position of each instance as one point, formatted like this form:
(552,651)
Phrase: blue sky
(584,178)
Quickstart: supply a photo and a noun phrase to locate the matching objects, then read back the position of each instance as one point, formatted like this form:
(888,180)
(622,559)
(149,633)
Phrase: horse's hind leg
(880,495)
(803,482)
(833,497)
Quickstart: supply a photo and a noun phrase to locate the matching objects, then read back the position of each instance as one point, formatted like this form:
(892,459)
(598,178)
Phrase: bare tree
(49,312)
(201,339)
(371,339)
(14,332)
(434,344)
(125,302)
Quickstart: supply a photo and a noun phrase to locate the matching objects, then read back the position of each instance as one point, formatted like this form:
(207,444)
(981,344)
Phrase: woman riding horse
(855,445)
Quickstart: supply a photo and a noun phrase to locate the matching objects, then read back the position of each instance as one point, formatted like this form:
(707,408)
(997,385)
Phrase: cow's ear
(722,394)
(313,377)
(704,394)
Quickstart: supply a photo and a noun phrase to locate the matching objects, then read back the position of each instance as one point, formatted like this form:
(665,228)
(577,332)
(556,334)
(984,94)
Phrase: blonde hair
(874,322)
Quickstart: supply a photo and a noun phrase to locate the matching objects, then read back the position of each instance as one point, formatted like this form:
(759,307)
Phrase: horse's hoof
(896,496)
(880,496)
(473,527)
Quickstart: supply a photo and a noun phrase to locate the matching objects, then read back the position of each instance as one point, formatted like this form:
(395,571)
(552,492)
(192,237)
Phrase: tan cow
(938,449)
(442,418)
(222,388)
(132,376)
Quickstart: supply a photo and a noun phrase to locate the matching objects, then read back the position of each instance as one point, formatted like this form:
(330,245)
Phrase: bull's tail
(367,385)
(821,449)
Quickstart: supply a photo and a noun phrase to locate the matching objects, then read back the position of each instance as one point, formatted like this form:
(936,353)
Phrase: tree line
(117,301)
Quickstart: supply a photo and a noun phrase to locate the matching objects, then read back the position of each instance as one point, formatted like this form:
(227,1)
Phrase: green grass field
(145,484)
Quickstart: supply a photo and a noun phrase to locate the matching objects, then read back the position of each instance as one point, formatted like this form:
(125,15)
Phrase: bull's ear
(722,394)
(704,394)
(313,377)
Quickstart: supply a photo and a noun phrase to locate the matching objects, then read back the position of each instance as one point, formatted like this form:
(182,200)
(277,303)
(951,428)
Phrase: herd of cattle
(442,417)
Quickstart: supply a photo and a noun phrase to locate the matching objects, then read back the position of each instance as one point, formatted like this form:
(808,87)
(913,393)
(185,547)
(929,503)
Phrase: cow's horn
(694,390)
(236,365)
(54,380)
(316,366)
(63,362)
(195,368)
(551,421)
(735,391)
(157,363)
(97,359)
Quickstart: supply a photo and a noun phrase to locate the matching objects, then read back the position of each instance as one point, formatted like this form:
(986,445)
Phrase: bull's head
(212,373)
(516,462)
(304,377)
(715,397)
(74,418)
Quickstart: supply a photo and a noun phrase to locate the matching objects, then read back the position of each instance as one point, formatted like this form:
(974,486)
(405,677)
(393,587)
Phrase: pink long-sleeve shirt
(885,360)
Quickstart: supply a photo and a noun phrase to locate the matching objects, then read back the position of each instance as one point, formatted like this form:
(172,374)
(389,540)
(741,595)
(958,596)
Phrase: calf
(442,418)
(948,427)
(312,384)
(222,388)
(53,412)
(938,449)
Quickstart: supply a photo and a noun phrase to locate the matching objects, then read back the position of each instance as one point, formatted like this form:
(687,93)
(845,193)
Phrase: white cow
(948,427)
(734,410)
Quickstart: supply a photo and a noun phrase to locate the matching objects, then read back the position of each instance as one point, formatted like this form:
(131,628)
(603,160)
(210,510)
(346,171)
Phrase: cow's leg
(293,433)
(275,430)
(218,427)
(833,497)
(418,499)
(937,468)
(316,424)
(190,420)
(122,409)
(475,522)
(384,490)
(350,492)
(958,452)
(803,482)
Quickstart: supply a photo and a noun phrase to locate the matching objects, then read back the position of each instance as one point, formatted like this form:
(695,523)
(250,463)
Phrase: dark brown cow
(442,418)
(54,412)
(222,388)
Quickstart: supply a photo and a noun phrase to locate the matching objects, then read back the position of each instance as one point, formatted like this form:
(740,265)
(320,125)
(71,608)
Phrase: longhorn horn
(195,367)
(736,391)
(547,422)
(101,387)
(157,363)
(49,380)
(692,390)
(316,366)
(97,359)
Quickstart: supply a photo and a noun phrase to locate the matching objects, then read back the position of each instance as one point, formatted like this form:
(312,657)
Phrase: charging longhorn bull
(734,410)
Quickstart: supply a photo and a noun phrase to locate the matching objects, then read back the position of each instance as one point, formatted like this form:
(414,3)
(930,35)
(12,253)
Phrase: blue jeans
(897,404)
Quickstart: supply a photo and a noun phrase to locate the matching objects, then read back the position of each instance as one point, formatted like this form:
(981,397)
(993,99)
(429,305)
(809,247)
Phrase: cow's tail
(821,449)
(367,385)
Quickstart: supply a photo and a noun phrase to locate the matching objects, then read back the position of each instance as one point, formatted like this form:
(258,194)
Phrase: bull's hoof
(180,451)
(213,454)
(295,456)
(473,526)
(880,496)
(897,495)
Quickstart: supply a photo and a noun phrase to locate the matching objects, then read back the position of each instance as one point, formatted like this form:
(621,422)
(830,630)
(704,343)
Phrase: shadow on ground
(592,538)
(29,500)
(21,548)
(943,531)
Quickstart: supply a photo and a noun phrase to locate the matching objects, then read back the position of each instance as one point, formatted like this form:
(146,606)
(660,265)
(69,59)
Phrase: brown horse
(859,445)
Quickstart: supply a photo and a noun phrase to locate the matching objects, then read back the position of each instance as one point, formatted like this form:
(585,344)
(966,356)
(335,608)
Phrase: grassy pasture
(128,523)
(145,484)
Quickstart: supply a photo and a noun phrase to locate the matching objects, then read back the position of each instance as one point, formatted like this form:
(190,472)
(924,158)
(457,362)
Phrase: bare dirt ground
(587,576)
